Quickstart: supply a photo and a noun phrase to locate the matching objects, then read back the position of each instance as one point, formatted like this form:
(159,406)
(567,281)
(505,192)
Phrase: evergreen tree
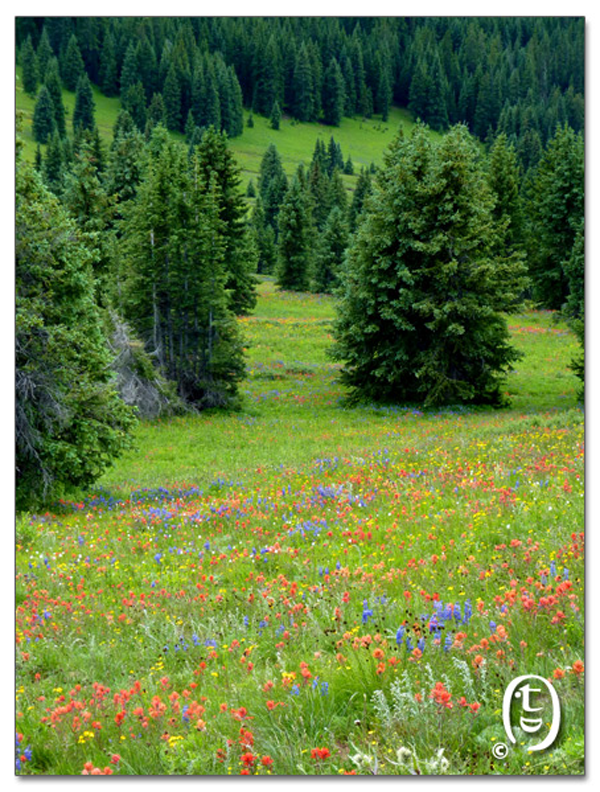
(424,288)
(83,113)
(250,121)
(43,54)
(134,101)
(39,163)
(272,185)
(156,113)
(251,189)
(275,117)
(54,165)
(70,424)
(264,239)
(175,239)
(504,180)
(109,67)
(216,162)
(575,306)
(319,188)
(72,66)
(295,240)
(361,191)
(303,87)
(129,70)
(125,166)
(334,94)
(330,252)
(52,83)
(555,215)
(44,122)
(29,67)
(349,167)
(172,100)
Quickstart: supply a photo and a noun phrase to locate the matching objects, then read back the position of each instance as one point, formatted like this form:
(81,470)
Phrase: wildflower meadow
(301,587)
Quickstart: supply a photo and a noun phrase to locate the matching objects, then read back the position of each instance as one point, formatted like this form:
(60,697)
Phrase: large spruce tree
(70,423)
(425,286)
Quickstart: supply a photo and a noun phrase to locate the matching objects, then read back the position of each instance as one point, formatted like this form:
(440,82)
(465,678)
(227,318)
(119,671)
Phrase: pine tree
(275,117)
(43,54)
(331,248)
(129,70)
(83,113)
(424,288)
(52,83)
(109,67)
(44,122)
(156,113)
(303,87)
(172,100)
(29,67)
(134,101)
(575,306)
(555,215)
(272,185)
(264,239)
(216,162)
(176,293)
(505,180)
(54,165)
(361,191)
(70,424)
(334,94)
(295,240)
(72,66)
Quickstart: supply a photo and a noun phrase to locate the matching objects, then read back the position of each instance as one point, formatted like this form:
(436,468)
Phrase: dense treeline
(517,75)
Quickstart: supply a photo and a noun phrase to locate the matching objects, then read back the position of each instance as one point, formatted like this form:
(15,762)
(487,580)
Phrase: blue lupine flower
(448,643)
(421,644)
(544,580)
(295,691)
(400,635)
(565,573)
(552,568)
(206,545)
(493,627)
(409,646)
(324,688)
(157,557)
(246,621)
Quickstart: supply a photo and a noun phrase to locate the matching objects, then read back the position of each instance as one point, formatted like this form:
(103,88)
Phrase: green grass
(364,140)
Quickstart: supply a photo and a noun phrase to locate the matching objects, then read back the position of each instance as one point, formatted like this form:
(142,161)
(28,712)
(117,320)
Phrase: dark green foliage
(83,113)
(29,67)
(44,122)
(156,113)
(171,94)
(38,165)
(264,239)
(349,167)
(505,179)
(250,121)
(575,306)
(334,94)
(555,215)
(43,55)
(109,67)
(272,185)
(130,69)
(251,189)
(176,295)
(52,83)
(125,165)
(216,163)
(424,286)
(72,67)
(295,240)
(275,117)
(70,423)
(304,87)
(361,191)
(331,248)
(134,101)
(54,164)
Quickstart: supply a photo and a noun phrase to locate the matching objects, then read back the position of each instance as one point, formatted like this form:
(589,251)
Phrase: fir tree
(83,113)
(272,185)
(109,67)
(303,87)
(275,117)
(505,180)
(156,113)
(134,101)
(555,215)
(216,162)
(295,240)
(29,67)
(43,54)
(330,252)
(334,94)
(52,83)
(72,66)
(424,289)
(361,191)
(44,122)
(54,165)
(172,100)
(70,424)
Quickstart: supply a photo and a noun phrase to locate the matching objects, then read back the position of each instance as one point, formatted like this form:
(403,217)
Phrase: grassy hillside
(364,140)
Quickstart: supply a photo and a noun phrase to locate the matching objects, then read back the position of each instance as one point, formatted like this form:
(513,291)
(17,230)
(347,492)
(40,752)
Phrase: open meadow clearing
(301,587)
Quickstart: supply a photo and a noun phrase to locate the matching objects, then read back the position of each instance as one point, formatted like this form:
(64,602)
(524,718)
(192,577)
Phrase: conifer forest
(299,396)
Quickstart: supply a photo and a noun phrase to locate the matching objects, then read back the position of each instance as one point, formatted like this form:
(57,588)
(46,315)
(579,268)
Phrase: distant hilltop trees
(520,76)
